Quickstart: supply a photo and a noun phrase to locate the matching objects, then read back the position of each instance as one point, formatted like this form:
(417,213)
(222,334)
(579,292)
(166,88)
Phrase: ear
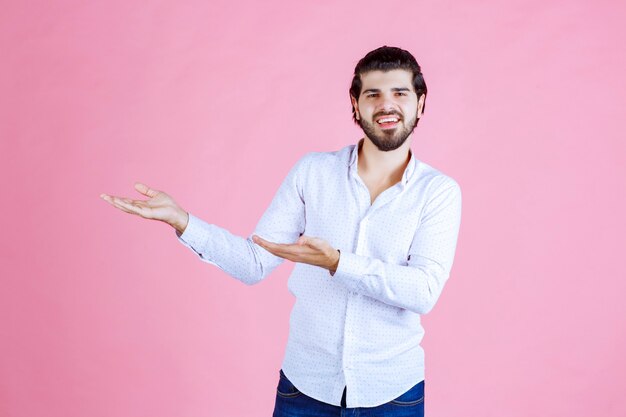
(420,105)
(355,104)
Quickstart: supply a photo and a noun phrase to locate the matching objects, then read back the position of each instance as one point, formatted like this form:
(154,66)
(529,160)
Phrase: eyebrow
(376,90)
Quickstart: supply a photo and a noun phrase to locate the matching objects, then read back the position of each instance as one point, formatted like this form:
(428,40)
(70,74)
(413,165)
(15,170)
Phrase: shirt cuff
(350,269)
(194,235)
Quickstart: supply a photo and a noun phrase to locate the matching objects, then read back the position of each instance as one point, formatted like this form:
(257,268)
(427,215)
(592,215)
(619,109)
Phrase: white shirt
(360,327)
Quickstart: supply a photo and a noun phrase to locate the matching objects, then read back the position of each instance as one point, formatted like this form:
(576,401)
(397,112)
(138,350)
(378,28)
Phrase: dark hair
(387,58)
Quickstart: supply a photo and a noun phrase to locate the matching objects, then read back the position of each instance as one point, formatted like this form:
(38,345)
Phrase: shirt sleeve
(282,222)
(417,285)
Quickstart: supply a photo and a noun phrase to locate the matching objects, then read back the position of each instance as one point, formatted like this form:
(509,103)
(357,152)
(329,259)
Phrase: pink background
(106,314)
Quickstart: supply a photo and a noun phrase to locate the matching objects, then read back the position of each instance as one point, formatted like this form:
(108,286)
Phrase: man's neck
(383,166)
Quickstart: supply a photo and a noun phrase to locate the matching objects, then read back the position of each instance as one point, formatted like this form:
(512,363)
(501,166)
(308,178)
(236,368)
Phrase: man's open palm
(159,206)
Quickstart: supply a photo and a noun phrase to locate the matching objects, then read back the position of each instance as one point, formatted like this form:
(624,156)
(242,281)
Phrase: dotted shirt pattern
(359,327)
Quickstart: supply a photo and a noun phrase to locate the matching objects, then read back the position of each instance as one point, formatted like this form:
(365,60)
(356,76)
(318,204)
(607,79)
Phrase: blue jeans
(290,402)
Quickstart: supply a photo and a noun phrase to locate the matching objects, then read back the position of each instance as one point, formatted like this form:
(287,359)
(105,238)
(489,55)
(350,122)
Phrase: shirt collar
(354,157)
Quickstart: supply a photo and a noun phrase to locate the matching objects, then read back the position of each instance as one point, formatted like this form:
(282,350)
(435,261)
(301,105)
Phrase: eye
(400,93)
(372,95)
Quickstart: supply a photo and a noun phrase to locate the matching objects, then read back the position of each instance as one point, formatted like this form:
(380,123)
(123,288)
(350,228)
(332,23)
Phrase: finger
(265,244)
(124,209)
(138,206)
(145,190)
(129,206)
(278,249)
(111,200)
(292,252)
(122,205)
(108,198)
(260,241)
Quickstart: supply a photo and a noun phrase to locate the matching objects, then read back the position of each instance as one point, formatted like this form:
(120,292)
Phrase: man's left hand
(308,250)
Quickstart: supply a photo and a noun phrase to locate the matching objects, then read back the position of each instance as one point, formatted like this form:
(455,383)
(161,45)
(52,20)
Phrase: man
(373,232)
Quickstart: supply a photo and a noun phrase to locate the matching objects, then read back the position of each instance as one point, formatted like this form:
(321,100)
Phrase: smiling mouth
(388,122)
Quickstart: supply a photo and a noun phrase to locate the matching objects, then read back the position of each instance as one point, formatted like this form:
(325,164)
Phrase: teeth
(388,119)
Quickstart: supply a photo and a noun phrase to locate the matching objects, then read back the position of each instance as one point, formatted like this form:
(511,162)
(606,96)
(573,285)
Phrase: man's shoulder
(338,158)
(434,177)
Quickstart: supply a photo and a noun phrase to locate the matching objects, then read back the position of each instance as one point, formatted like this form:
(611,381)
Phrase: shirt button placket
(348,344)
(349,341)
(349,337)
(361,244)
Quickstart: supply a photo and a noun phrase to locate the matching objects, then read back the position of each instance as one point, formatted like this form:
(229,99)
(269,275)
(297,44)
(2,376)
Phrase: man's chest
(375,189)
(376,186)
(376,221)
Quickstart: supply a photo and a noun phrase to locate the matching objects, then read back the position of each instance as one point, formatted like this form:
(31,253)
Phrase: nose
(387,104)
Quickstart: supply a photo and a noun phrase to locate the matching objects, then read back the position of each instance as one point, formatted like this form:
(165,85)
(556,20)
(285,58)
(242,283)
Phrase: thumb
(311,241)
(145,190)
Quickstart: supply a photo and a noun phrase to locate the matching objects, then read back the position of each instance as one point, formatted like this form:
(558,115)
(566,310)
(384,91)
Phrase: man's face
(388,108)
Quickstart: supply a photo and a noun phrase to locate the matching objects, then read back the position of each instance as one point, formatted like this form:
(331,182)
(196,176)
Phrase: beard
(388,139)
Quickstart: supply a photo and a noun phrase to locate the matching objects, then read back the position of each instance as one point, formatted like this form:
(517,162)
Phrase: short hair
(387,58)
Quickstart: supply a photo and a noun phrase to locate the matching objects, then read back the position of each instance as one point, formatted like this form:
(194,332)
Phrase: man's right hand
(160,207)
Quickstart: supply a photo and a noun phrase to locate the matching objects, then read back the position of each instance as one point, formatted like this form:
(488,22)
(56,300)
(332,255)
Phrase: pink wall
(106,314)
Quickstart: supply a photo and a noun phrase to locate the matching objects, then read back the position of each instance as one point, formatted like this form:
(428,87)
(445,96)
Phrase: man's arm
(417,285)
(283,221)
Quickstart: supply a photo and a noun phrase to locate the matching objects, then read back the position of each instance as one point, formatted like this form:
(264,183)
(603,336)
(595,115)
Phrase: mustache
(380,114)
